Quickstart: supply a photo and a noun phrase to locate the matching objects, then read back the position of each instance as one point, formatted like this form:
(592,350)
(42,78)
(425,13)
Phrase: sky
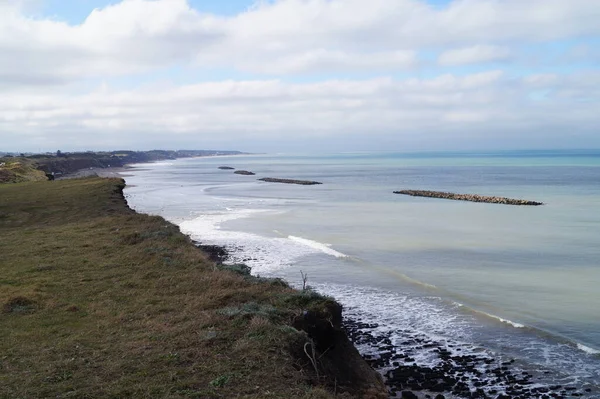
(299,75)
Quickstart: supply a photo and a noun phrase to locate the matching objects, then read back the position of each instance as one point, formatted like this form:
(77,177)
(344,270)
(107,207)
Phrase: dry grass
(17,170)
(97,301)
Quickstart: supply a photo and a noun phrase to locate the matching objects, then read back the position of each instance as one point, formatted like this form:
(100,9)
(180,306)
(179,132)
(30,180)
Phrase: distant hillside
(64,163)
(17,170)
(36,167)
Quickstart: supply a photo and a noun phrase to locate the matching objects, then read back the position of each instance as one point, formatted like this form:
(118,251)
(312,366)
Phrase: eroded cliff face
(332,358)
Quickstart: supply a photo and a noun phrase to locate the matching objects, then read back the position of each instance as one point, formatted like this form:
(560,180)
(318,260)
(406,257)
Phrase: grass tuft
(20,305)
(238,268)
(220,381)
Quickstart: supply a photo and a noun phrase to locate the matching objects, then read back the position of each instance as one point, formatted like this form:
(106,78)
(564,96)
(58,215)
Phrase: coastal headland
(15,169)
(467,197)
(99,301)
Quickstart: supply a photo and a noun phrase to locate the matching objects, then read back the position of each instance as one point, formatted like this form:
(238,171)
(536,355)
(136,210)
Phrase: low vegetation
(99,301)
(17,170)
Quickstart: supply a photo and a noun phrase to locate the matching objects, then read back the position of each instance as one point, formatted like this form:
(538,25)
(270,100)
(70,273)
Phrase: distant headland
(26,167)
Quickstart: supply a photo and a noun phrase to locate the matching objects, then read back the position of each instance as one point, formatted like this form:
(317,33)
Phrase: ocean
(515,284)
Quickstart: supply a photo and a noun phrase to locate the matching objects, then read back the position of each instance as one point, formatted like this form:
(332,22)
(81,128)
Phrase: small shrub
(273,281)
(306,298)
(238,268)
(220,381)
(19,305)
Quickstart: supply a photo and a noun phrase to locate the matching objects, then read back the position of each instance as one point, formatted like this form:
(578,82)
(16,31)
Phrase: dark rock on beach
(244,172)
(467,197)
(215,253)
(447,372)
(290,181)
(226,168)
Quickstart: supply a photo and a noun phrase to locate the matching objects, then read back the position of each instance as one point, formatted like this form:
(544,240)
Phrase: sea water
(517,282)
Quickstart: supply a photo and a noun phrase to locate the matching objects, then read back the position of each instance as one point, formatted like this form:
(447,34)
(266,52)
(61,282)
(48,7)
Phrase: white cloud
(284,37)
(474,55)
(262,111)
(47,68)
(322,60)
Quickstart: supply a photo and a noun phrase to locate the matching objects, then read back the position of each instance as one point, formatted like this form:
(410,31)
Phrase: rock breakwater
(290,181)
(244,172)
(468,197)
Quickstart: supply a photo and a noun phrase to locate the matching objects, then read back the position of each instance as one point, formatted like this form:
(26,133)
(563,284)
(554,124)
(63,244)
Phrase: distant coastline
(91,163)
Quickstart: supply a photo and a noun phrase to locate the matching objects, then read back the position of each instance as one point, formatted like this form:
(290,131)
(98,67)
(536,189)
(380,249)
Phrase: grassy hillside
(16,170)
(98,301)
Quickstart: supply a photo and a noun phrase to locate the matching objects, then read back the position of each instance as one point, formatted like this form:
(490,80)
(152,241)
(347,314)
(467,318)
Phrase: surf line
(319,246)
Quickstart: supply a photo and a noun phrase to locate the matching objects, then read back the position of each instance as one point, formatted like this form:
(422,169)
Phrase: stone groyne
(467,197)
(289,181)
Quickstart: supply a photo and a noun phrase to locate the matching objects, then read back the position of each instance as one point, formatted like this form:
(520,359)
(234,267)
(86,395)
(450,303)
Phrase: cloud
(474,55)
(280,38)
(63,83)
(241,112)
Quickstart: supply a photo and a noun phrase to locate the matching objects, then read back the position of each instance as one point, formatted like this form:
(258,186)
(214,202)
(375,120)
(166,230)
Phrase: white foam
(512,323)
(325,248)
(408,320)
(587,349)
(403,317)
(265,255)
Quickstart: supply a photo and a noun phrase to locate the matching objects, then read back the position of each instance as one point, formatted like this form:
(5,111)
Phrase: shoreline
(508,374)
(459,374)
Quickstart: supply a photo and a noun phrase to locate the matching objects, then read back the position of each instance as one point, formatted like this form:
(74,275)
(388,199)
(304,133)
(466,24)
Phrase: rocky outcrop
(244,172)
(290,181)
(226,168)
(467,197)
(215,253)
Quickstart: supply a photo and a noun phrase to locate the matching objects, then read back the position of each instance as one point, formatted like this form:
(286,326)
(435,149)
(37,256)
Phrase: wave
(417,325)
(587,349)
(538,331)
(325,248)
(265,255)
(505,321)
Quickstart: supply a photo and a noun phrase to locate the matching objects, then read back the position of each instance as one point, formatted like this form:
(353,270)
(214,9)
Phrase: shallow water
(451,270)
